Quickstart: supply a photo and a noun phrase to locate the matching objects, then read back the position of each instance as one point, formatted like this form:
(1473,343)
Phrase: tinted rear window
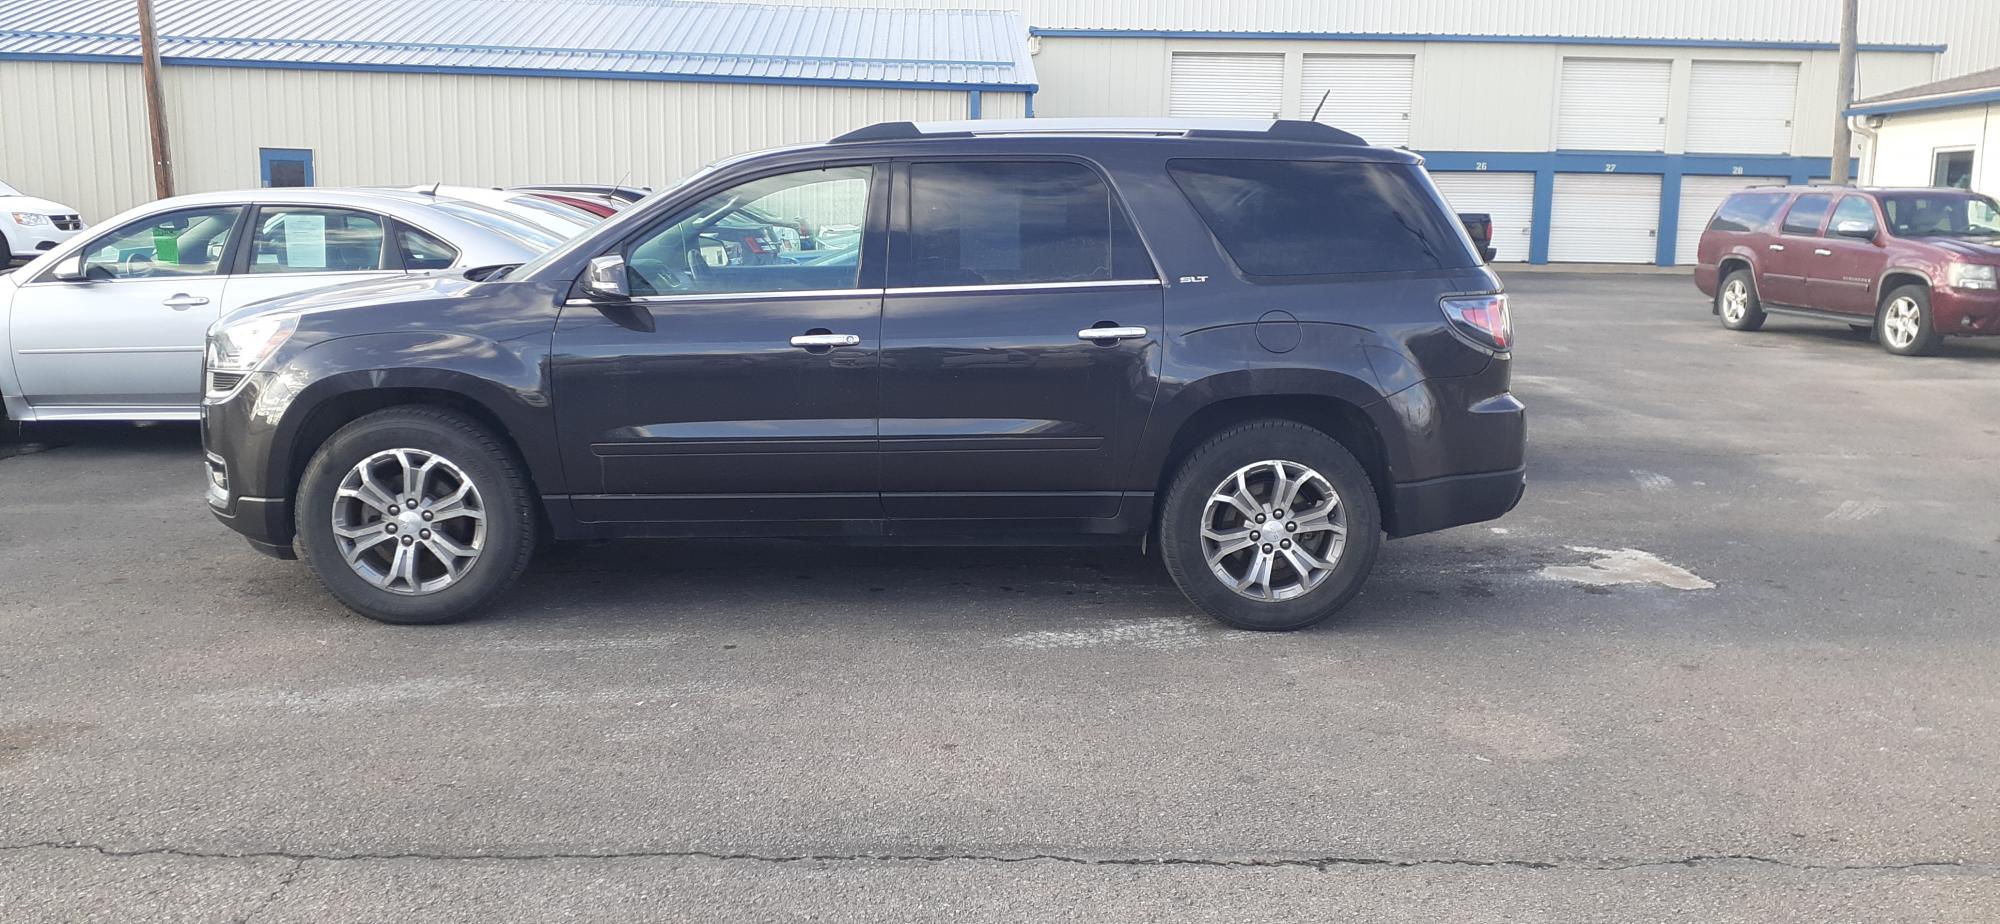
(1806,213)
(991,223)
(1313,218)
(1747,211)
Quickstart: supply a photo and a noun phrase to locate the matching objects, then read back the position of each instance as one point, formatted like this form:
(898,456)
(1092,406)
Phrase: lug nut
(1291,527)
(1279,513)
(391,528)
(407,540)
(1267,548)
(393,510)
(1284,543)
(424,534)
(427,514)
(1260,517)
(1255,535)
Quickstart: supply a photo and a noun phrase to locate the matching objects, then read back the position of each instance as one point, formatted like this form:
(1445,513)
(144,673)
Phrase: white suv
(29,226)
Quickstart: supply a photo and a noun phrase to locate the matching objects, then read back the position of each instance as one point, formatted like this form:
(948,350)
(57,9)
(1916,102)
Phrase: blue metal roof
(629,39)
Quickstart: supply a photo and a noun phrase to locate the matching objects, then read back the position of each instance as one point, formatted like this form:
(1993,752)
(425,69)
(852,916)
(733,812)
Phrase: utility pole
(1843,139)
(156,115)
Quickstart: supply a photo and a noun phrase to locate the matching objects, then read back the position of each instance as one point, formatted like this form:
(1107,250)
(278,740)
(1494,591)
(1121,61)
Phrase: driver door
(735,389)
(127,339)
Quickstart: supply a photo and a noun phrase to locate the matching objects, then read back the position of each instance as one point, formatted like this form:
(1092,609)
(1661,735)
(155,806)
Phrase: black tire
(1891,332)
(1753,315)
(1186,510)
(510,514)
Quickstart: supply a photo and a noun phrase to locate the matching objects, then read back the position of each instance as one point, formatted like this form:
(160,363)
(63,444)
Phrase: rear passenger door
(1020,344)
(1788,257)
(1845,266)
(293,248)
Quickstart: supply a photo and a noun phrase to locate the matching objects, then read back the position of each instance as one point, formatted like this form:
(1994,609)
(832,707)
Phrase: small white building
(1945,133)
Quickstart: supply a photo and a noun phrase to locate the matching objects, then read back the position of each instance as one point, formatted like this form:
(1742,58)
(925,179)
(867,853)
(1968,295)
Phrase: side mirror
(1855,228)
(606,278)
(69,269)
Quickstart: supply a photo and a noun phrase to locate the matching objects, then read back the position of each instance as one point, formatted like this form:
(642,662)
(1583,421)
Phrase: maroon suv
(1914,265)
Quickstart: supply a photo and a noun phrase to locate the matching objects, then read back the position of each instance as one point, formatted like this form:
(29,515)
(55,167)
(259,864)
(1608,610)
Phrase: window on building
(301,239)
(1312,218)
(1747,211)
(189,243)
(1015,224)
(285,166)
(1952,169)
(1807,213)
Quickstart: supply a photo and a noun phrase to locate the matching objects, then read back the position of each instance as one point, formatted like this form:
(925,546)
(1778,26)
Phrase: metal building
(370,92)
(1937,134)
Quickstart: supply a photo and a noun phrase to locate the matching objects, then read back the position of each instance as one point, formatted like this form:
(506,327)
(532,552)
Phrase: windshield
(611,229)
(536,238)
(1939,213)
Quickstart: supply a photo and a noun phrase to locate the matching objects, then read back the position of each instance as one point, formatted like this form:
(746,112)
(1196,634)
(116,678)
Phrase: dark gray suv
(1256,346)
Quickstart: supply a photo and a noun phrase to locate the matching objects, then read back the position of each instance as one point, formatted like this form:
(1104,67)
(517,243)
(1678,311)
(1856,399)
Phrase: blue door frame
(268,156)
(1668,167)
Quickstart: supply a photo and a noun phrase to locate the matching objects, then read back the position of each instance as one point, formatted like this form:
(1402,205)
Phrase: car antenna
(1322,104)
(434,186)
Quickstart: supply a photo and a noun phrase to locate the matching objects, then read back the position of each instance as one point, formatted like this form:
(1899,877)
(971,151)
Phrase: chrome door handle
(1778,247)
(810,341)
(1111,333)
(1823,251)
(183,301)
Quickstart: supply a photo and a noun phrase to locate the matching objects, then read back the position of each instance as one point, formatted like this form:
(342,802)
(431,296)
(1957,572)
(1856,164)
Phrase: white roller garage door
(1368,95)
(1605,218)
(1248,86)
(1742,107)
(1700,197)
(1508,197)
(1614,104)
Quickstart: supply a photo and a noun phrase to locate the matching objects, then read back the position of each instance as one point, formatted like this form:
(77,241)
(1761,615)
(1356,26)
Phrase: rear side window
(1747,212)
(1315,218)
(307,239)
(421,251)
(1806,214)
(1016,223)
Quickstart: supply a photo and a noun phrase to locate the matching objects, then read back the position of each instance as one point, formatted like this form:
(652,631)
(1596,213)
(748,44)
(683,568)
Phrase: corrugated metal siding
(1742,107)
(1700,197)
(357,125)
(625,37)
(1603,218)
(76,133)
(1369,95)
(1614,104)
(1508,198)
(1226,85)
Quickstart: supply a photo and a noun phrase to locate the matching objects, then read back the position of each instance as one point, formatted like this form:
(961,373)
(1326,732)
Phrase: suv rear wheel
(1905,322)
(1270,525)
(1736,302)
(414,515)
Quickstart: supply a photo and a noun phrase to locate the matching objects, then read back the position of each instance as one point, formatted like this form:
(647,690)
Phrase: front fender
(504,379)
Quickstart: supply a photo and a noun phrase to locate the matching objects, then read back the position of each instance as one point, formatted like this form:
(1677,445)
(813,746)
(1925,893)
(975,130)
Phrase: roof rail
(1275,129)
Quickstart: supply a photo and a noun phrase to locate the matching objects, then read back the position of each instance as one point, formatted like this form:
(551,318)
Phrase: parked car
(1480,226)
(1114,331)
(627,194)
(561,220)
(600,206)
(30,227)
(1913,265)
(111,325)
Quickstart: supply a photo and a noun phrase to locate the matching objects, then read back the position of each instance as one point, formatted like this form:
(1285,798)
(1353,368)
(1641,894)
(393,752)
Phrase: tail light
(1483,318)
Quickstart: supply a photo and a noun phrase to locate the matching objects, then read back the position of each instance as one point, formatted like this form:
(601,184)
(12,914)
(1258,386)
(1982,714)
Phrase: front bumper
(1965,313)
(28,241)
(237,446)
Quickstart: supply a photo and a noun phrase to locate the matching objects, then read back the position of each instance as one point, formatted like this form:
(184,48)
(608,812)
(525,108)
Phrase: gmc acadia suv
(1005,333)
(1913,265)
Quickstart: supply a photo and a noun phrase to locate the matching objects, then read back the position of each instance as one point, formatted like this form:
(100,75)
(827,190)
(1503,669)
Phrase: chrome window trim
(726,296)
(1024,286)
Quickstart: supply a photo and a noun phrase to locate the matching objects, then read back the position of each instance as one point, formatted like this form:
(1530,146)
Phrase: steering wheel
(660,277)
(137,264)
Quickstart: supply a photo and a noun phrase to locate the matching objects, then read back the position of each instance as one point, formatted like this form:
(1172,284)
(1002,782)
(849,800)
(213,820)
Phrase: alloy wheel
(409,521)
(1735,301)
(1902,322)
(1273,530)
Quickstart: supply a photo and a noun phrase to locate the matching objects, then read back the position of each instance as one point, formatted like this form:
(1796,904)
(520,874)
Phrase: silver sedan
(111,325)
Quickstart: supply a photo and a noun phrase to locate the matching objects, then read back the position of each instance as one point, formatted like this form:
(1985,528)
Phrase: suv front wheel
(1270,525)
(415,515)
(1905,322)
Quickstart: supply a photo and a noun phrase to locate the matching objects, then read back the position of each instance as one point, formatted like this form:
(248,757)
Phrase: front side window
(1807,213)
(793,232)
(304,239)
(1747,211)
(987,223)
(421,251)
(1940,214)
(1854,212)
(185,243)
(1312,218)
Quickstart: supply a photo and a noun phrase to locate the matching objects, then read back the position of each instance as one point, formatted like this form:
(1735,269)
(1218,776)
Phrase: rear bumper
(1455,500)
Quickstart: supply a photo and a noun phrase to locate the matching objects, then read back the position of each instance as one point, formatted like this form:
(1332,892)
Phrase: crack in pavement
(271,898)
(1319,863)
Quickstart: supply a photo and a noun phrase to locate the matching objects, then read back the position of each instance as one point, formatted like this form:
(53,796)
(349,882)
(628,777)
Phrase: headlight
(243,346)
(27,219)
(1971,276)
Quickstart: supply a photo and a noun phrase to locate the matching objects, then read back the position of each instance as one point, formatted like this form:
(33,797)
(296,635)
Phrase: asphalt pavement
(1736,657)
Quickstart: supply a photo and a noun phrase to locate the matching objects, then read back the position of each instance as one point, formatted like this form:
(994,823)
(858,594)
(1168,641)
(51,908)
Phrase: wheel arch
(1897,277)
